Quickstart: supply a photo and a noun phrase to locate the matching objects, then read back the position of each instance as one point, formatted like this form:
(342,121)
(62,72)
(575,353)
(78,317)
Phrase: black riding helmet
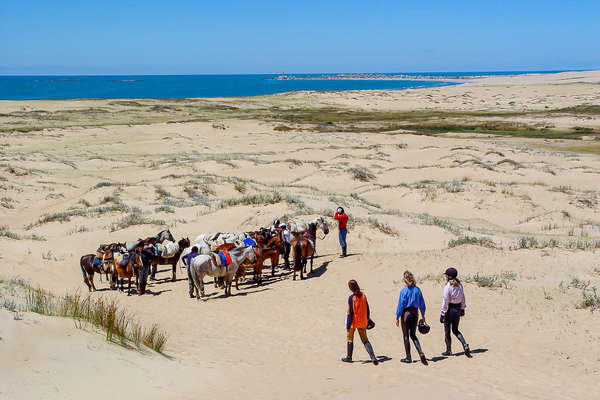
(423,328)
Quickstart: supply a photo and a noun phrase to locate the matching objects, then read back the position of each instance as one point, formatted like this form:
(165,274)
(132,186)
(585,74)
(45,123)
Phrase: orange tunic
(359,307)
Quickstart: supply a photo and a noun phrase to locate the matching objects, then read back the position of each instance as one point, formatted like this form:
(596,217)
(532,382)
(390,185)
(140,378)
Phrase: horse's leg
(228,280)
(259,268)
(91,276)
(129,286)
(311,261)
(153,275)
(174,273)
(274,263)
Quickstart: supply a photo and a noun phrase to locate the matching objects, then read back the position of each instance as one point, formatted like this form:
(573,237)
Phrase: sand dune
(536,200)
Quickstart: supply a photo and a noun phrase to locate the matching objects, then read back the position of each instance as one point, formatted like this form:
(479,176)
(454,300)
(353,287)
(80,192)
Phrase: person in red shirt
(342,219)
(358,319)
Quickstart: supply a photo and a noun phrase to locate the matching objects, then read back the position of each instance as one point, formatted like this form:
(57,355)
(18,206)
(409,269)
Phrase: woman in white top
(453,307)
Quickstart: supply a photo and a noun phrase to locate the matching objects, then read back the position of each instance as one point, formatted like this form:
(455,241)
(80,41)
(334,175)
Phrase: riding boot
(408,358)
(344,251)
(371,353)
(464,344)
(350,347)
(421,354)
(448,351)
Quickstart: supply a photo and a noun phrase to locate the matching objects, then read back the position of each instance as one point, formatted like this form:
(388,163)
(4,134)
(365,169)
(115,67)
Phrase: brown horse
(105,254)
(261,255)
(270,240)
(88,267)
(127,266)
(303,247)
(158,260)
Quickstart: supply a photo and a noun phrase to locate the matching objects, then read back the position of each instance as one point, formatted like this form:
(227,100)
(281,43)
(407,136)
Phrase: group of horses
(139,259)
(130,259)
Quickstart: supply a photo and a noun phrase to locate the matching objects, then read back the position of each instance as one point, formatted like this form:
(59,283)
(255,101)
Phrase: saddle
(122,260)
(310,239)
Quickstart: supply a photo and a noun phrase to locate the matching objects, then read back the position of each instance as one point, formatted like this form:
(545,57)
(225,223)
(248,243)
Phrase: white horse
(203,264)
(216,239)
(298,228)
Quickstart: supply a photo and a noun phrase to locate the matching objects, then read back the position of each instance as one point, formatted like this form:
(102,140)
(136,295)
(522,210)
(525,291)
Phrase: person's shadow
(462,353)
(381,359)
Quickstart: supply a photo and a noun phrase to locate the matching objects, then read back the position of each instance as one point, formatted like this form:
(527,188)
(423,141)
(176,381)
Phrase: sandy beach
(497,177)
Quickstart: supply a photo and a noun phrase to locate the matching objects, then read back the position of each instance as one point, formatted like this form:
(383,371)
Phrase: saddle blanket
(249,242)
(222,258)
(97,261)
(122,259)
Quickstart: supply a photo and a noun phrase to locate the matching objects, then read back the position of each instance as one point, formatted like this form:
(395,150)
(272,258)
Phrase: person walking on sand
(187,260)
(342,219)
(453,307)
(407,313)
(358,319)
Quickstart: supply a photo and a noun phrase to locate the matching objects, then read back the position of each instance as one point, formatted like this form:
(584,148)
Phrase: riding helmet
(370,324)
(423,328)
(451,272)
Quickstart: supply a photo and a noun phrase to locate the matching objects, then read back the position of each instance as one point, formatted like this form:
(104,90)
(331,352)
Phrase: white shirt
(453,294)
(286,235)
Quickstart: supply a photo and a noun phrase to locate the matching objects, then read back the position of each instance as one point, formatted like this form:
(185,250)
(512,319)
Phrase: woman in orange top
(357,319)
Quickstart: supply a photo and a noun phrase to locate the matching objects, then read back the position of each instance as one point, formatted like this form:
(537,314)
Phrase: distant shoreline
(378,77)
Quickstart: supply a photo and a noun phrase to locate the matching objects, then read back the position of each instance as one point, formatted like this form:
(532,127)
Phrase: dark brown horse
(88,268)
(303,246)
(158,260)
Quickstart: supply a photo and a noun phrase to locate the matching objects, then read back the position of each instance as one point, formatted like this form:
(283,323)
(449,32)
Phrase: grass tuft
(361,174)
(134,217)
(118,325)
(480,241)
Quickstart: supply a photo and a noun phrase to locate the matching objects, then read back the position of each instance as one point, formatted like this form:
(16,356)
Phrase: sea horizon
(67,87)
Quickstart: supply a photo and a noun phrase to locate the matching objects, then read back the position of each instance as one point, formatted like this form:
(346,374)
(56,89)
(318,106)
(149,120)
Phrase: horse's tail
(82,262)
(298,255)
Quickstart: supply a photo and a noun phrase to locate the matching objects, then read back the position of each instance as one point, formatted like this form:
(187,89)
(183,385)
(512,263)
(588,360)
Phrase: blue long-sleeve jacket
(410,297)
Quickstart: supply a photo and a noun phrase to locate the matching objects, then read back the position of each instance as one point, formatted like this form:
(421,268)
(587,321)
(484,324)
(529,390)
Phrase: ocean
(181,86)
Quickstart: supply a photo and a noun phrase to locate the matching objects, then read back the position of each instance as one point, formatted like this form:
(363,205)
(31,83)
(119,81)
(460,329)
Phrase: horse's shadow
(103,289)
(166,280)
(320,270)
(157,293)
(216,295)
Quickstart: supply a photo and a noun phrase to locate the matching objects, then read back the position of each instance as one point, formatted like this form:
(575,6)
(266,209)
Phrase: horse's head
(135,258)
(250,254)
(322,224)
(106,251)
(183,243)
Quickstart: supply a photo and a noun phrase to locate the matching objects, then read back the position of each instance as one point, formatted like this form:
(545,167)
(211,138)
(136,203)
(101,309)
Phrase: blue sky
(198,37)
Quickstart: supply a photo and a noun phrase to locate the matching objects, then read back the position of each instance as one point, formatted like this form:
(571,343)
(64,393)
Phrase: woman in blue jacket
(410,302)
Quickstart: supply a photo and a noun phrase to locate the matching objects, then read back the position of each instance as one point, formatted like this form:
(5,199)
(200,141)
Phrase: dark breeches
(409,321)
(451,321)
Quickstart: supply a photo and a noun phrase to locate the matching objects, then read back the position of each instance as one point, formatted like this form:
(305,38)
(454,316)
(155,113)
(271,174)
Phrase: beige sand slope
(284,339)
